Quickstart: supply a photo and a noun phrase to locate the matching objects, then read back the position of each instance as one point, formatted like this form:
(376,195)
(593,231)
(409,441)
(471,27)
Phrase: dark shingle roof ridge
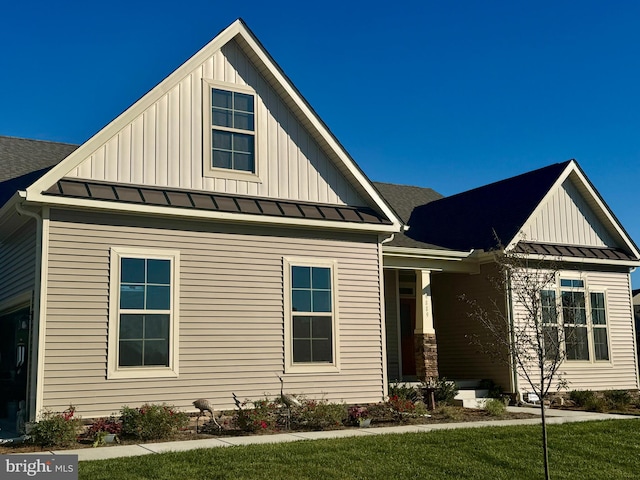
(492,185)
(13,137)
(477,218)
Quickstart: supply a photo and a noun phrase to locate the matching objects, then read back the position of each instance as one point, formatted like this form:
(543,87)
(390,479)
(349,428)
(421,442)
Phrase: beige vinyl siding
(391,324)
(459,355)
(164,146)
(566,218)
(231,335)
(17,262)
(621,372)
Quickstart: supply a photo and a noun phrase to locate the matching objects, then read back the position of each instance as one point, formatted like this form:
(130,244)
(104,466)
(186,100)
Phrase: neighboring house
(216,234)
(636,312)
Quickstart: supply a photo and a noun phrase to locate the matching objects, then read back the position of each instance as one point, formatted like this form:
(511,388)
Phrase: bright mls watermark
(51,467)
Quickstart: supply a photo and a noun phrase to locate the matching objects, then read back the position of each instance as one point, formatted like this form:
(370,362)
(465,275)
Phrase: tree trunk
(545,449)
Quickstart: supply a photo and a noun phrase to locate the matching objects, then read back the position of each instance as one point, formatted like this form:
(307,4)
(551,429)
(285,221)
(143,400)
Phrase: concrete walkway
(553,417)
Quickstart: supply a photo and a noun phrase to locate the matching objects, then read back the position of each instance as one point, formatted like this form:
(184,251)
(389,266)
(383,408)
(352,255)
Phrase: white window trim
(289,365)
(591,362)
(207,169)
(113,370)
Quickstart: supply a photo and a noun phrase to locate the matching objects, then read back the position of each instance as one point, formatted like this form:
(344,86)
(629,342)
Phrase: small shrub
(356,414)
(617,399)
(380,412)
(404,391)
(401,405)
(596,404)
(495,407)
(449,412)
(105,424)
(263,415)
(320,415)
(444,391)
(495,390)
(152,421)
(581,397)
(56,429)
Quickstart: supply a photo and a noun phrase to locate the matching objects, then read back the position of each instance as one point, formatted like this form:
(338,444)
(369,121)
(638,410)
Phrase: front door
(14,347)
(407,342)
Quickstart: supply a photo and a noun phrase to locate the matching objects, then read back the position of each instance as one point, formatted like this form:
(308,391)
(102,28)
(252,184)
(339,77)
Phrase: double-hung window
(144,315)
(230,129)
(311,332)
(582,317)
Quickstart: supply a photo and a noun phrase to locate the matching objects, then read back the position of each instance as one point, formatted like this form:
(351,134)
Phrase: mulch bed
(451,415)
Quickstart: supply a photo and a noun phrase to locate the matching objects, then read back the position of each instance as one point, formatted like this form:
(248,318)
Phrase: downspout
(516,387)
(383,319)
(37,335)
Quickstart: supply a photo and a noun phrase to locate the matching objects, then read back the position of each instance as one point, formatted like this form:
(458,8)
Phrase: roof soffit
(239,32)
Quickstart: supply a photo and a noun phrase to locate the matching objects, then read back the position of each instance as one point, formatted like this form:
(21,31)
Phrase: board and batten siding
(621,372)
(18,262)
(459,355)
(566,218)
(231,336)
(164,146)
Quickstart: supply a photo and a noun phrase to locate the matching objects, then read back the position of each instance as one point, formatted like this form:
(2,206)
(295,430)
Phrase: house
(553,214)
(216,235)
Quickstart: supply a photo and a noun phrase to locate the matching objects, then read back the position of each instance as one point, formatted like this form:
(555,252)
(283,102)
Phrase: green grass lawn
(593,450)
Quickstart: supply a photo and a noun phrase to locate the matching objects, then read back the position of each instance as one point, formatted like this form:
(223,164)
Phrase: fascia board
(133,209)
(573,167)
(426,253)
(129,115)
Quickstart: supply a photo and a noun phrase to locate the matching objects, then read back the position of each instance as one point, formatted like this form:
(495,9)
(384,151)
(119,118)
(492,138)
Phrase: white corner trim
(42,312)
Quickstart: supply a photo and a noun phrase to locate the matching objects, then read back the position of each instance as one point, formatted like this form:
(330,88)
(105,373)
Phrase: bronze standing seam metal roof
(213,202)
(576,251)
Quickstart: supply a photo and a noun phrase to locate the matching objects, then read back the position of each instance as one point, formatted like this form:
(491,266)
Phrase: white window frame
(289,365)
(207,127)
(589,321)
(113,370)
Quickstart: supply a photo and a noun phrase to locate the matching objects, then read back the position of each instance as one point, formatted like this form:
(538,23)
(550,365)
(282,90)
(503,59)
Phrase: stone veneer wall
(426,353)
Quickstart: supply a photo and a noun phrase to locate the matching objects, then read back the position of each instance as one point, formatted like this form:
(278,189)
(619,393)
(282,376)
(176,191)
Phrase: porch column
(425,333)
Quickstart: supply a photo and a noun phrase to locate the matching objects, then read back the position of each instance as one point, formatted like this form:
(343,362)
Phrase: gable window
(583,318)
(312,323)
(230,130)
(143,316)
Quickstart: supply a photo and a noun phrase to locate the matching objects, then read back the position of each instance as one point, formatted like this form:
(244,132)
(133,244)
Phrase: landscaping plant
(56,429)
(152,421)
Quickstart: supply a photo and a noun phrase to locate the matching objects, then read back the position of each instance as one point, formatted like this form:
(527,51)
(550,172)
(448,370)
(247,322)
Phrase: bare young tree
(523,325)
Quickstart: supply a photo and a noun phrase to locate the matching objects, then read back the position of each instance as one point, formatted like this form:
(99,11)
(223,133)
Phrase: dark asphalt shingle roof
(475,218)
(403,199)
(19,156)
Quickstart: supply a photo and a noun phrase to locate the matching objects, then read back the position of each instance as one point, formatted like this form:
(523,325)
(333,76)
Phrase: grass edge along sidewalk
(597,449)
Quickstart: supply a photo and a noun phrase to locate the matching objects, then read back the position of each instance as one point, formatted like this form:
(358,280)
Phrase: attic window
(229,131)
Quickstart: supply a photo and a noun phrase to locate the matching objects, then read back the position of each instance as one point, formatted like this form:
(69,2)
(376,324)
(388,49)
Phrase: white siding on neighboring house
(164,145)
(621,371)
(17,262)
(566,218)
(231,313)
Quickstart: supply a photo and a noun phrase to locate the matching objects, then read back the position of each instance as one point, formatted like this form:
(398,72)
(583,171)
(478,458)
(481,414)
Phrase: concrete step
(471,393)
(477,403)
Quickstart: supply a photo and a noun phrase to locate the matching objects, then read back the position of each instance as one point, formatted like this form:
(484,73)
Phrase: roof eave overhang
(175,212)
(9,206)
(426,253)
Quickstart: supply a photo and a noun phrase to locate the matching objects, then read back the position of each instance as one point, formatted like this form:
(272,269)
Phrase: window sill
(137,373)
(312,368)
(229,174)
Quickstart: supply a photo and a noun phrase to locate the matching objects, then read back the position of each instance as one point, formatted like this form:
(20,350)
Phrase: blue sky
(449,95)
